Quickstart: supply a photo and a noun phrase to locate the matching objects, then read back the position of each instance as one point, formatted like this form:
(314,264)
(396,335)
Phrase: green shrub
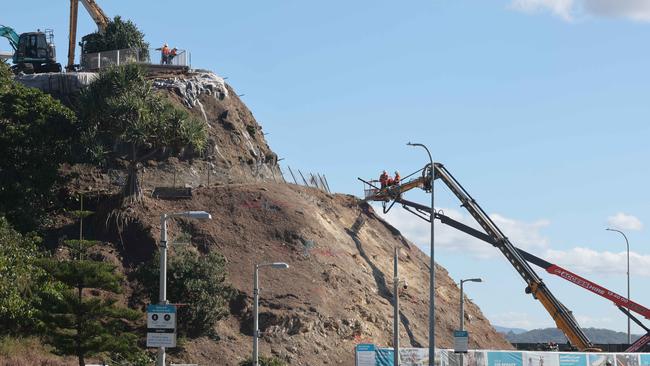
(195,280)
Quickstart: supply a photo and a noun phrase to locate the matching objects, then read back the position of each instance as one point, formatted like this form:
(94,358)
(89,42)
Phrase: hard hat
(165,45)
(385,172)
(396,172)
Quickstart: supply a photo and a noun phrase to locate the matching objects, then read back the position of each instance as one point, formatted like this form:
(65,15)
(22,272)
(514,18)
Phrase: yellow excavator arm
(95,12)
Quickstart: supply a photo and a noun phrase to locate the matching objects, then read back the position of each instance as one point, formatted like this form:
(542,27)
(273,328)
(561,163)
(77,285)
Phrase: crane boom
(11,35)
(621,302)
(99,17)
(561,315)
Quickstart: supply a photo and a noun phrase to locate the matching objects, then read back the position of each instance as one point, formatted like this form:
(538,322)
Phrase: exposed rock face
(237,150)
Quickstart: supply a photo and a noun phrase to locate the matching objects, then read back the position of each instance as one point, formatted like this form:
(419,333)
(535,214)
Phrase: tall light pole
(627,243)
(256,298)
(395,308)
(432,270)
(162,299)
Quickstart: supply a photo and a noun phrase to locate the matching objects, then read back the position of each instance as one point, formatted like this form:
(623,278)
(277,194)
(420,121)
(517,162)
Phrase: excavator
(518,258)
(34,52)
(98,16)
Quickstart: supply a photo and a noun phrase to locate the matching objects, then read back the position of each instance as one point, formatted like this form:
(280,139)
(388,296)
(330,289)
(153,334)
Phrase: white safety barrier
(447,357)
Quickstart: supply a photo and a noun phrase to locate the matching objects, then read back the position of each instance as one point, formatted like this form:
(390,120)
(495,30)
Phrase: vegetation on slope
(122,108)
(36,133)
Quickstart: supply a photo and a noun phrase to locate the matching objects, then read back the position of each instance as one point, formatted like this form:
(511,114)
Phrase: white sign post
(161,326)
(461,340)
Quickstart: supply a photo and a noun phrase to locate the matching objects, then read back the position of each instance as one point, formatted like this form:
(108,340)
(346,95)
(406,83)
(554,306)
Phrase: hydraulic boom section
(11,35)
(562,316)
(99,17)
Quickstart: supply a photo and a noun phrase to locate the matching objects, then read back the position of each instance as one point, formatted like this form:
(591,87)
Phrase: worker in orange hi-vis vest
(383,179)
(164,53)
(398,179)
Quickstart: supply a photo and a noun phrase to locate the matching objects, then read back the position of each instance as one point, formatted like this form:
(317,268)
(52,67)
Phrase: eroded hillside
(337,291)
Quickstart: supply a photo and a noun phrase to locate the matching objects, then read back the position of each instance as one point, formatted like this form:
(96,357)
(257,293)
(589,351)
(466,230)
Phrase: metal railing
(102,60)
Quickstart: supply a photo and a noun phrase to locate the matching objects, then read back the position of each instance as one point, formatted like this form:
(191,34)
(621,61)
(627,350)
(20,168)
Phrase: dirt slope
(338,290)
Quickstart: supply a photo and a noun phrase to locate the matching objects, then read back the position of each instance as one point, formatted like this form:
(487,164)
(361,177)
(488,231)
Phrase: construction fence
(101,60)
(369,355)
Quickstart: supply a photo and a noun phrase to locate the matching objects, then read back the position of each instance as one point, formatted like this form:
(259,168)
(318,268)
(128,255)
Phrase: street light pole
(432,269)
(395,309)
(462,308)
(256,297)
(627,244)
(462,300)
(162,293)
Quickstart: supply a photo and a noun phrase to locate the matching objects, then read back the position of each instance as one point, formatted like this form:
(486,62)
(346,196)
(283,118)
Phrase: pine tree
(82,324)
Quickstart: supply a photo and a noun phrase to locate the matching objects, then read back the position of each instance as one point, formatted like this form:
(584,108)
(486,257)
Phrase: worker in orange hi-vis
(383,179)
(164,53)
(398,179)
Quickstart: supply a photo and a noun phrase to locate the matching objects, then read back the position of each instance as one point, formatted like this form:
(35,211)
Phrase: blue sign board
(504,359)
(161,308)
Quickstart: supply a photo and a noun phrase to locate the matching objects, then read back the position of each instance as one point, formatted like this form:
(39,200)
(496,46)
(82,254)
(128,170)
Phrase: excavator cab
(35,53)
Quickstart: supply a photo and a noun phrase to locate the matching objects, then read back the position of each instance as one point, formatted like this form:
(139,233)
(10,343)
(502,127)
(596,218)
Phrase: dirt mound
(337,291)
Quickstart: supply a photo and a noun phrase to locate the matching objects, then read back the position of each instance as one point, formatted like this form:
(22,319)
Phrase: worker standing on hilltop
(383,179)
(172,54)
(164,53)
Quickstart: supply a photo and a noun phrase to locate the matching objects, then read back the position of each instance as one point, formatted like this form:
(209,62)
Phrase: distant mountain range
(506,330)
(599,336)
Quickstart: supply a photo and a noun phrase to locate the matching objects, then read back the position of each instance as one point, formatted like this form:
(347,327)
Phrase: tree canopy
(119,35)
(22,281)
(121,108)
(35,137)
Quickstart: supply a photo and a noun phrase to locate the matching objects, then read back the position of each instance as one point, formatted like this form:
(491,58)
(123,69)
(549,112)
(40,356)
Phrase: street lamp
(197,215)
(462,310)
(432,271)
(462,300)
(627,243)
(256,297)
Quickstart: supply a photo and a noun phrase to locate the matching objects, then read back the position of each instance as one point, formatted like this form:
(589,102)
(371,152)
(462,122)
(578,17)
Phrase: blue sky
(538,107)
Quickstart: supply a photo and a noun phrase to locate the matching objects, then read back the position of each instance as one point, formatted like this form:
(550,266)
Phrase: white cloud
(513,319)
(638,10)
(586,321)
(561,8)
(447,238)
(632,9)
(524,235)
(585,261)
(622,221)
